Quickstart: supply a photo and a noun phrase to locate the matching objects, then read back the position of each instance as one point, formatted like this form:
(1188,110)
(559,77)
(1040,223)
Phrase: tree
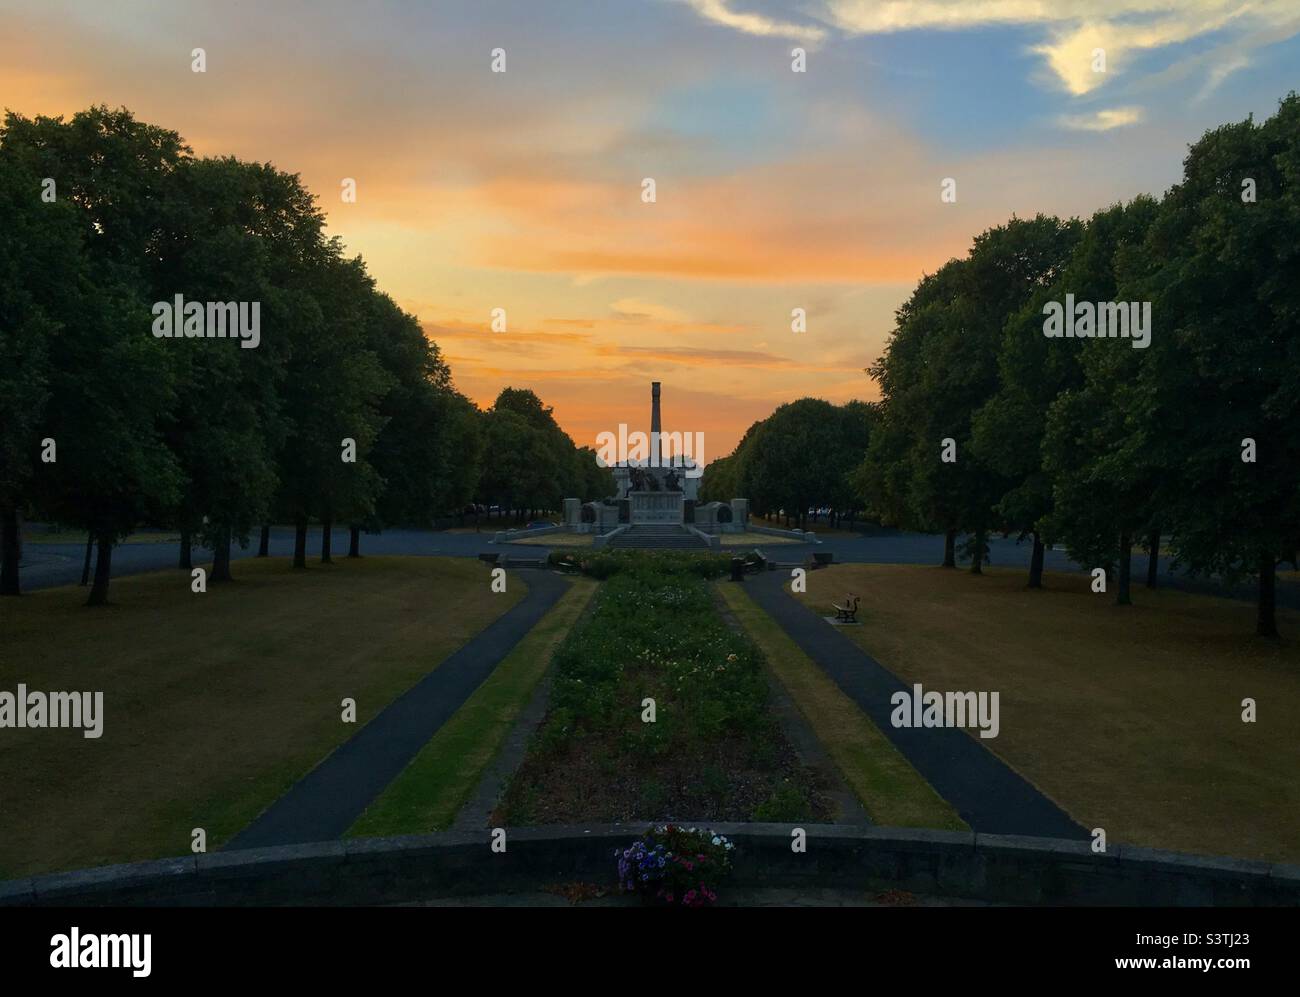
(543,455)
(40,257)
(719,479)
(509,469)
(465,444)
(940,367)
(413,453)
(332,391)
(593,481)
(110,377)
(224,428)
(855,423)
(1224,364)
(897,478)
(799,456)
(1034,371)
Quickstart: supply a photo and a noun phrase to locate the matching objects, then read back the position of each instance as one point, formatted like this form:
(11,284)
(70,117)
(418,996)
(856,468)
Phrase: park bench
(848,613)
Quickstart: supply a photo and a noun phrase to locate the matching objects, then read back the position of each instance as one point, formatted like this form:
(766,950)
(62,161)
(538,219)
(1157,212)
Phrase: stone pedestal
(572,512)
(740,512)
(656,507)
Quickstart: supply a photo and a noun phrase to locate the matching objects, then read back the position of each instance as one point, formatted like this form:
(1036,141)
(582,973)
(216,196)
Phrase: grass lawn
(893,793)
(485,526)
(748,539)
(214,704)
(821,528)
(432,789)
(557,540)
(1130,718)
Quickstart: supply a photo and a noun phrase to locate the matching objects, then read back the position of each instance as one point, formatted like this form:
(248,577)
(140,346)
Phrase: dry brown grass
(1130,718)
(214,704)
(557,540)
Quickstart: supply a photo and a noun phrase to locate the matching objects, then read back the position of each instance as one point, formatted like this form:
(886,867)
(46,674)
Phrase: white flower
(717,841)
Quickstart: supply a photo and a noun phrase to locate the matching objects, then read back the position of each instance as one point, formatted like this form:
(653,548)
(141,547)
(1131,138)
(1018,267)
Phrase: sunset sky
(775,190)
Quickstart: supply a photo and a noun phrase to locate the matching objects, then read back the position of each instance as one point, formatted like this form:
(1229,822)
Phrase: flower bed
(604,564)
(714,750)
(675,866)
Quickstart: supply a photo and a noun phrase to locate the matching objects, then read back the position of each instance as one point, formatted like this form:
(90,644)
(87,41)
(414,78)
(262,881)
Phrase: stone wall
(995,868)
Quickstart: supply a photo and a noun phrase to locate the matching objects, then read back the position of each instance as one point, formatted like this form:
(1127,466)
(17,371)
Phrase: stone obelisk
(656,443)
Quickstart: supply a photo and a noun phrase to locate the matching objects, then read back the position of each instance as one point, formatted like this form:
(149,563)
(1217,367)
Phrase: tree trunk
(326,535)
(85,568)
(221,557)
(1122,597)
(103,571)
(950,549)
(1036,563)
(1153,559)
(354,542)
(1266,619)
(300,543)
(264,543)
(186,559)
(9,551)
(977,559)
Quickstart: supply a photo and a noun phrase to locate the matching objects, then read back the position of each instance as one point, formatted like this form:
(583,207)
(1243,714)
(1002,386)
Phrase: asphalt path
(48,565)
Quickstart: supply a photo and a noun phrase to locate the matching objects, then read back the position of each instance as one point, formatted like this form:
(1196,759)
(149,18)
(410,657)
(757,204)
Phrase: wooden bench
(848,613)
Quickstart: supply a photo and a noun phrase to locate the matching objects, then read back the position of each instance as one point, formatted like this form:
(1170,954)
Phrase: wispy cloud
(1075,29)
(638,309)
(749,23)
(1101,121)
(1071,53)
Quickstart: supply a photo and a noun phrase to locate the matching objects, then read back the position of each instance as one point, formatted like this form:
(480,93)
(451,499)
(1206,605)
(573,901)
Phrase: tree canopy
(1185,442)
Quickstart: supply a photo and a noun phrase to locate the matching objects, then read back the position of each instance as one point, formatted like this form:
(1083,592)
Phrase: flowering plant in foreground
(675,865)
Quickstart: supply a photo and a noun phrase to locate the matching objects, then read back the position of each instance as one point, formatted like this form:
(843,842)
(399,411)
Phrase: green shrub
(603,564)
(786,805)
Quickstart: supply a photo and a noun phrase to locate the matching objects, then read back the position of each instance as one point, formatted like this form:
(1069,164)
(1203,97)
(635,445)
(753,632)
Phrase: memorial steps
(658,536)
